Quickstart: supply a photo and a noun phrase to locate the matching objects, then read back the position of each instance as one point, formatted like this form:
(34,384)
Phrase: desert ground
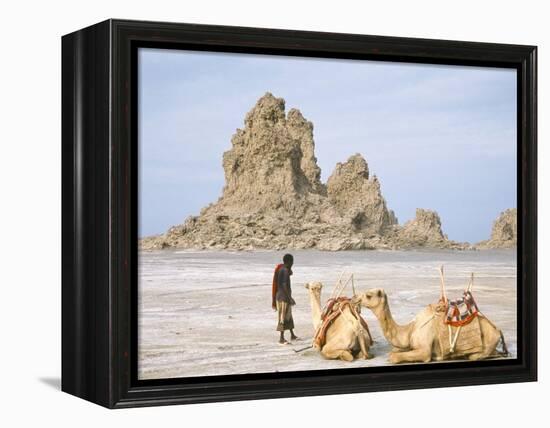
(203,313)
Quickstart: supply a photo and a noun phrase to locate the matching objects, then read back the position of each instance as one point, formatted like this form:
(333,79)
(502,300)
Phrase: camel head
(373,298)
(314,288)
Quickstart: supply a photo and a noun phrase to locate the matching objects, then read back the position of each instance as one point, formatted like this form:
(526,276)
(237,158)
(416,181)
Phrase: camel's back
(424,316)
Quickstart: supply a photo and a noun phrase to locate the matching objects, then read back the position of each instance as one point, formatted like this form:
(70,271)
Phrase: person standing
(282,300)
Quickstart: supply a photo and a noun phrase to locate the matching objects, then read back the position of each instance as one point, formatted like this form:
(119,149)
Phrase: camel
(418,340)
(346,339)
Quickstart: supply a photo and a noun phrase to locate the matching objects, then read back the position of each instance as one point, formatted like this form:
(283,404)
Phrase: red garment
(274,286)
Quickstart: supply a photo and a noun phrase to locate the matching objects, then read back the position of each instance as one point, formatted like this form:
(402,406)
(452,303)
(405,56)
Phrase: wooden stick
(353,285)
(336,291)
(338,284)
(471,283)
(336,287)
(303,349)
(455,338)
(443,292)
(344,287)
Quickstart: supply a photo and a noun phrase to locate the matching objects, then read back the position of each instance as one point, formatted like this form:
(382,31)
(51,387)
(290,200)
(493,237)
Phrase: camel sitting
(346,338)
(418,341)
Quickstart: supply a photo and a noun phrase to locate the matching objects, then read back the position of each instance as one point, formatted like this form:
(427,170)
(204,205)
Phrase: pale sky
(438,137)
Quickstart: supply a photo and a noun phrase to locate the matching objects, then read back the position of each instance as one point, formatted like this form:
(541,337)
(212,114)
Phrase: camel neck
(315,301)
(397,335)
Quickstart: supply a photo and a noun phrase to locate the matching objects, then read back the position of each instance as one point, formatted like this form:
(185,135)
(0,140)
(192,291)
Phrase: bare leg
(282,339)
(293,336)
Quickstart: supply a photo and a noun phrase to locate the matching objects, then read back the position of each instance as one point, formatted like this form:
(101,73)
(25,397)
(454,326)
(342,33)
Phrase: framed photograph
(254,213)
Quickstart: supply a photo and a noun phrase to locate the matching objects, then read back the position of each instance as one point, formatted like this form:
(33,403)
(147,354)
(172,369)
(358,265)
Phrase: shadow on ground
(52,382)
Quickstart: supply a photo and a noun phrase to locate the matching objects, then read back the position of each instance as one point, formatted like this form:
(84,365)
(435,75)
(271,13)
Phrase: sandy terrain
(209,313)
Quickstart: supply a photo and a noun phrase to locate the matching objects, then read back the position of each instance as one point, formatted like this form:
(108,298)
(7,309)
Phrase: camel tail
(504,352)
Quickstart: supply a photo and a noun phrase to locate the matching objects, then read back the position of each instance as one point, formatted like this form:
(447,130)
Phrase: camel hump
(333,310)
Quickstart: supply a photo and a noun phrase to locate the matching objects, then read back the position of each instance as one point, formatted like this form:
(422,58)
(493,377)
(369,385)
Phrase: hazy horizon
(438,137)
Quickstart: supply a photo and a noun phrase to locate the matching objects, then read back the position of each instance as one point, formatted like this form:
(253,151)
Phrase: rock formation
(424,231)
(358,198)
(274,198)
(271,167)
(505,231)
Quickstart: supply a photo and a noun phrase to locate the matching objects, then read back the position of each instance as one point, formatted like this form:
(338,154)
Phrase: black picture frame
(99,213)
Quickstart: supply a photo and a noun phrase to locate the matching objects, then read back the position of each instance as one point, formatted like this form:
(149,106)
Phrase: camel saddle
(333,310)
(466,333)
(462,311)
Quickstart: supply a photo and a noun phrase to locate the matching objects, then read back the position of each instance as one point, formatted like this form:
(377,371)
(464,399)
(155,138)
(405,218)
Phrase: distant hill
(505,231)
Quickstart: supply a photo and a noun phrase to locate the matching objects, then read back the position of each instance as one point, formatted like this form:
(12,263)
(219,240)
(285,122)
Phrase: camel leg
(478,356)
(364,348)
(489,350)
(491,338)
(334,354)
(423,355)
(361,356)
